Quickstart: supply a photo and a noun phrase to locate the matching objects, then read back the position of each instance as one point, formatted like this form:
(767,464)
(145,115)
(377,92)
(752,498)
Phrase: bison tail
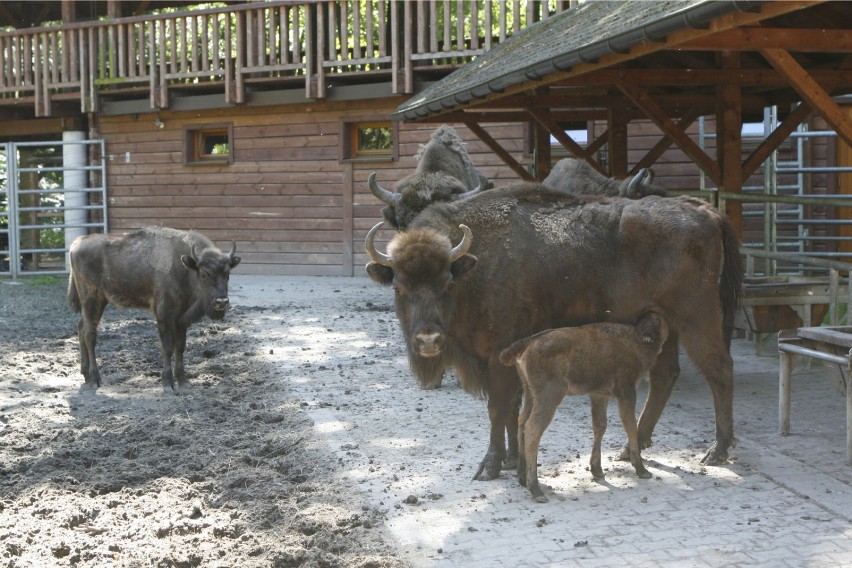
(510,355)
(731,282)
(73,297)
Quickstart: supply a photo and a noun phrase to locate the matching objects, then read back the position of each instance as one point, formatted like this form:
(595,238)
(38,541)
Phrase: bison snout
(221,304)
(429,344)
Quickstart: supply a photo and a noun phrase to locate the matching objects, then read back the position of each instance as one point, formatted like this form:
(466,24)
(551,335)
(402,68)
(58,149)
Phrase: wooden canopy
(667,61)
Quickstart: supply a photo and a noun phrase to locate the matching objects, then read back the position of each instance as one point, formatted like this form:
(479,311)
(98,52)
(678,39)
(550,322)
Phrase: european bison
(444,172)
(600,360)
(573,175)
(534,259)
(179,276)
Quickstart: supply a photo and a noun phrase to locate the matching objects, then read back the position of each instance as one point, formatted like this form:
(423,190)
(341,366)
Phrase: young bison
(600,360)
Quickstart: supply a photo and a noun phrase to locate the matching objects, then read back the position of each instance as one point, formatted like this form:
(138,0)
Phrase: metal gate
(50,193)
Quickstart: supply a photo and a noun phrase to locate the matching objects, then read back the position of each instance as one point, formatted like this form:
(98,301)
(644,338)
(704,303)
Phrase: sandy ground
(304,441)
(230,474)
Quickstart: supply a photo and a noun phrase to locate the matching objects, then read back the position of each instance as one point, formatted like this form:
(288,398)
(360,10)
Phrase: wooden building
(245,121)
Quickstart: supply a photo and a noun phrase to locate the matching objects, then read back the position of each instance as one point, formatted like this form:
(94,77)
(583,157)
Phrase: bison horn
(461,249)
(467,194)
(634,184)
(384,195)
(376,256)
(233,250)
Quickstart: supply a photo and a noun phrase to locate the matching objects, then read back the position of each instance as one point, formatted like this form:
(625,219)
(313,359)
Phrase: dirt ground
(228,474)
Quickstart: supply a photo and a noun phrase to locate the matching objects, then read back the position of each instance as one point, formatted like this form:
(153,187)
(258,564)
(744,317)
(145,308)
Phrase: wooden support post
(729,125)
(617,128)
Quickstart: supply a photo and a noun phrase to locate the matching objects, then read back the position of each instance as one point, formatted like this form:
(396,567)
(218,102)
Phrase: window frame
(194,137)
(349,140)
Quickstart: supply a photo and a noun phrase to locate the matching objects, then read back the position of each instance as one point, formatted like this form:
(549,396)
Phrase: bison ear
(235,261)
(462,265)
(189,262)
(379,273)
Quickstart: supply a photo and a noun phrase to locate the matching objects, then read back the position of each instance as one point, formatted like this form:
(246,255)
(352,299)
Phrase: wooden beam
(500,151)
(729,145)
(670,128)
(690,76)
(775,139)
(660,147)
(811,91)
(790,39)
(617,143)
(545,120)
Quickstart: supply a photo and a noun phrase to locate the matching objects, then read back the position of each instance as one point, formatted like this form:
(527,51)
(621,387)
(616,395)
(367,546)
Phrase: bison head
(652,330)
(213,269)
(423,267)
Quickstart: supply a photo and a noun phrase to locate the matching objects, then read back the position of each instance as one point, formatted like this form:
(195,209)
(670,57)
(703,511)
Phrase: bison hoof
(625,450)
(538,495)
(715,456)
(489,469)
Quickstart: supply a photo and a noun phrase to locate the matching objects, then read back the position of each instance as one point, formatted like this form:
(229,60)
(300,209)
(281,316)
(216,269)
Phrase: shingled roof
(583,34)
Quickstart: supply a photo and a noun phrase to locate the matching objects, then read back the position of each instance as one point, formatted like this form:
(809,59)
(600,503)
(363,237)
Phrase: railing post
(311,49)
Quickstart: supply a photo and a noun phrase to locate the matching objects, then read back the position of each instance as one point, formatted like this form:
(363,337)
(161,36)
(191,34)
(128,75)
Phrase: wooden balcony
(262,45)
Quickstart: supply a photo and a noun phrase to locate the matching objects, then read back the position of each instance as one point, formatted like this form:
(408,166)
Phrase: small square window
(209,144)
(369,141)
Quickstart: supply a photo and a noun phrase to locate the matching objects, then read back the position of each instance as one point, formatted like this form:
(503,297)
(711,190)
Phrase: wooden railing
(275,41)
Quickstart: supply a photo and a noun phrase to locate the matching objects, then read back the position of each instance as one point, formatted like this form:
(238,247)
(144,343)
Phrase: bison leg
(180,346)
(502,395)
(167,348)
(522,444)
(662,379)
(543,406)
(87,333)
(627,409)
(512,432)
(707,349)
(599,402)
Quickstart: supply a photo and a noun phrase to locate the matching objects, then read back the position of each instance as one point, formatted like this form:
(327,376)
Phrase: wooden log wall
(291,203)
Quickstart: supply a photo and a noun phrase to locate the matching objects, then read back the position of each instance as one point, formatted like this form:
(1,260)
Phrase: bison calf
(179,276)
(600,360)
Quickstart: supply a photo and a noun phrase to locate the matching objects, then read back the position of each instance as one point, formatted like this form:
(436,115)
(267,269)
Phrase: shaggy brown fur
(599,360)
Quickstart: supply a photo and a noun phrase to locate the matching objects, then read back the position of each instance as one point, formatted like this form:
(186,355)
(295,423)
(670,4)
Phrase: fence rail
(254,42)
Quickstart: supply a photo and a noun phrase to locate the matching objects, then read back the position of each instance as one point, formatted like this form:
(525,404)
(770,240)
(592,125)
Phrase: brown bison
(574,175)
(179,276)
(598,359)
(534,259)
(444,172)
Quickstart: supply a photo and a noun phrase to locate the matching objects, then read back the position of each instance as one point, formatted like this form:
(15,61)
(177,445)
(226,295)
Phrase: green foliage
(375,138)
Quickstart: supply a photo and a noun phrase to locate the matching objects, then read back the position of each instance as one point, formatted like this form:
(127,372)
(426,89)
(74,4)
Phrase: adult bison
(444,173)
(179,276)
(529,258)
(576,176)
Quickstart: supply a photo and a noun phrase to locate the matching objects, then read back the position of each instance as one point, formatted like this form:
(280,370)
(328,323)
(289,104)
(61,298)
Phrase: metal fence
(50,193)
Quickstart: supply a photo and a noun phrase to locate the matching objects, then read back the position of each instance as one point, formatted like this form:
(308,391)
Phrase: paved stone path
(781,502)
